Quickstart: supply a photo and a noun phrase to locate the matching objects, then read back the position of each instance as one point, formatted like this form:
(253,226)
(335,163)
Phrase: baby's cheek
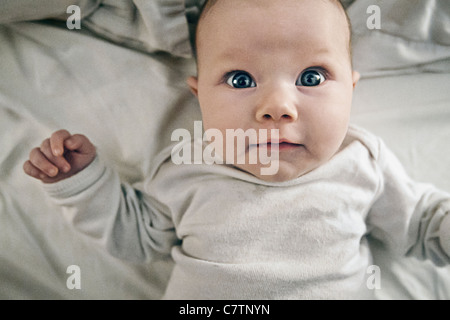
(328,142)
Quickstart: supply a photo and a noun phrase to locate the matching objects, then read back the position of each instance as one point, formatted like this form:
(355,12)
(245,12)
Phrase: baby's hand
(59,157)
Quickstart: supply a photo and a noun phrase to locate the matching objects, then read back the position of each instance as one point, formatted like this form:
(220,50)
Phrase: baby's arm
(60,157)
(411,218)
(114,214)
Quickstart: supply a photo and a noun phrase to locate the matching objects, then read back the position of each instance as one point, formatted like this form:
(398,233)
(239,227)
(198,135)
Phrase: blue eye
(240,80)
(310,78)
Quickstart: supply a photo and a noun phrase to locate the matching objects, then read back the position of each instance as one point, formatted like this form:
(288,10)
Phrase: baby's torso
(246,240)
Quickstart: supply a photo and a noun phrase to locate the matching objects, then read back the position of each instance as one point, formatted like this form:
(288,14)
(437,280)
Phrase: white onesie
(234,236)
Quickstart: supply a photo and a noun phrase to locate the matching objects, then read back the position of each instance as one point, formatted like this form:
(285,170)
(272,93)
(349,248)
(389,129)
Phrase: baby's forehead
(216,7)
(209,4)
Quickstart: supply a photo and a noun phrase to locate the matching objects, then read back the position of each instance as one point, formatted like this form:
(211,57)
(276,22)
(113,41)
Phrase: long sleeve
(114,214)
(411,218)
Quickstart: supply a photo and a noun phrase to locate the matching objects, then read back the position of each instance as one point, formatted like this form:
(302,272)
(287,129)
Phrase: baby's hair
(208,4)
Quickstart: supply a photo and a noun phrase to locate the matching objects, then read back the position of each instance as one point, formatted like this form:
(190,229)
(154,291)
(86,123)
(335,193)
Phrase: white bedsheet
(127,102)
(128,99)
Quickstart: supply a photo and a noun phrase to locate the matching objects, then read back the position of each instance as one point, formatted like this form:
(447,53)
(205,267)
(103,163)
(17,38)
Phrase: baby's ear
(193,85)
(355,77)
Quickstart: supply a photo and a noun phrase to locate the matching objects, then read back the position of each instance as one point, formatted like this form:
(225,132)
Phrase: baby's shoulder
(366,139)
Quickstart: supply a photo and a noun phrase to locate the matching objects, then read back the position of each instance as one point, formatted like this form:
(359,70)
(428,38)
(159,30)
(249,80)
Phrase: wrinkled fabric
(414,37)
(150,26)
(31,10)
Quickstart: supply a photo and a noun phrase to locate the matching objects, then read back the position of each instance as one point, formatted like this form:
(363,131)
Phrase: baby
(234,233)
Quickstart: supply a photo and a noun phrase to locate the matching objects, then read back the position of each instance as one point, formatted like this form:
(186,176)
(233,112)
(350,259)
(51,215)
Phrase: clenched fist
(59,157)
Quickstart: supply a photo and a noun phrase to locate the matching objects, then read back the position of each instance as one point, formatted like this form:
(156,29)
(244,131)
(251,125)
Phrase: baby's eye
(240,80)
(311,78)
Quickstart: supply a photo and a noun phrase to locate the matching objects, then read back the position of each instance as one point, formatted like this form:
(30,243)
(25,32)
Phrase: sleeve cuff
(77,183)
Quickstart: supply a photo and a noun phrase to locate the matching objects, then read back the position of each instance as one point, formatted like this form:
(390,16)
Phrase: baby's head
(277,64)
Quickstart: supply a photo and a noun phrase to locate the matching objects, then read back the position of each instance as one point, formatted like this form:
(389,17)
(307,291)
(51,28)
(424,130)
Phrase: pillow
(413,36)
(25,10)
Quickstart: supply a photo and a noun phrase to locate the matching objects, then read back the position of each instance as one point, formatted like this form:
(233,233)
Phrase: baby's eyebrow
(324,50)
(233,56)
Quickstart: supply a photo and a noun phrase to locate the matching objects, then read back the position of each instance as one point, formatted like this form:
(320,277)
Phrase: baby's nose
(279,104)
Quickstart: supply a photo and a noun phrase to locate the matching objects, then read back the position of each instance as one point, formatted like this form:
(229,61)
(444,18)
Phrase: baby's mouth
(282,145)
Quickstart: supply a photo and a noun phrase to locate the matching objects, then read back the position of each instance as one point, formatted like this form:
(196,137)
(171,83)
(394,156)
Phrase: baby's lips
(279,141)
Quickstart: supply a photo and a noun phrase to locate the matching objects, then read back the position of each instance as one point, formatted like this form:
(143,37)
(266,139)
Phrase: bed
(120,79)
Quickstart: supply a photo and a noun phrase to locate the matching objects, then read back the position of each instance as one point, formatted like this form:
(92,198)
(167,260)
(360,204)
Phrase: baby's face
(277,64)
